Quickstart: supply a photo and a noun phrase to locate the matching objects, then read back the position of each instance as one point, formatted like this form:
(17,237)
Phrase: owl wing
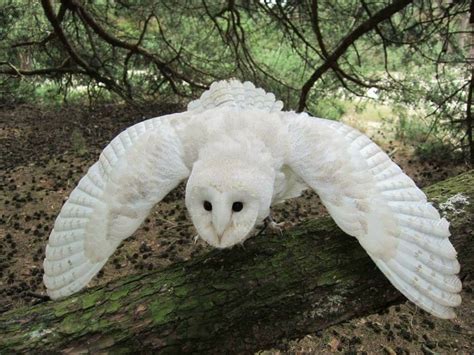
(134,172)
(233,93)
(370,198)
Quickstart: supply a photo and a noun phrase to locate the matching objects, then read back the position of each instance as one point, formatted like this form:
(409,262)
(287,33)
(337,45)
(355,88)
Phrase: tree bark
(237,300)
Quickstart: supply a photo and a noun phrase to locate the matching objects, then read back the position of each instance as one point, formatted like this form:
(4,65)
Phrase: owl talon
(276,227)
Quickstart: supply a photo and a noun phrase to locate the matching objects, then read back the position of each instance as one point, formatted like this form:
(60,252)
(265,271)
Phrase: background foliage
(325,56)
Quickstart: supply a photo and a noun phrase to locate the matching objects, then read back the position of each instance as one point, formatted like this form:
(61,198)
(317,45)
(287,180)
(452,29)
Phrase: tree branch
(49,37)
(469,118)
(43,71)
(49,12)
(164,69)
(362,29)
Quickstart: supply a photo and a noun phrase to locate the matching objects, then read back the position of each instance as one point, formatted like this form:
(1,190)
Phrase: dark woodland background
(319,56)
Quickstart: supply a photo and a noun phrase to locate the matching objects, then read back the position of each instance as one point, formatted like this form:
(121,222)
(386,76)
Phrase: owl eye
(207,206)
(237,206)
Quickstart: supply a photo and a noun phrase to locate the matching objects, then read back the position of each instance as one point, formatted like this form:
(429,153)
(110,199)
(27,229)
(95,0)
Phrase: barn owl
(241,153)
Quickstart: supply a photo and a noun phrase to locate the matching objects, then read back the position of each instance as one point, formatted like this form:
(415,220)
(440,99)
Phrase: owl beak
(220,220)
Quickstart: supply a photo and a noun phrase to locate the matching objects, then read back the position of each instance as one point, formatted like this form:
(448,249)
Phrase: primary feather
(239,149)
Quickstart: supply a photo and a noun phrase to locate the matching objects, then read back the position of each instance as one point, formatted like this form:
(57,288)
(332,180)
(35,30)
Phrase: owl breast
(287,185)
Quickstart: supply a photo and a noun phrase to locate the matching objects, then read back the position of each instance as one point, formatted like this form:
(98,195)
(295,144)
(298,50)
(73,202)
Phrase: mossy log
(237,300)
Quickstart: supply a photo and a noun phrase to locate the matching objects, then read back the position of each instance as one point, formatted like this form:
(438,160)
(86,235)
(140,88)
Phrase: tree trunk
(237,300)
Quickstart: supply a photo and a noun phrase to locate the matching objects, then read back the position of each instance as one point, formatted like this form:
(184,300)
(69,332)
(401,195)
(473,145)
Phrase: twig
(363,28)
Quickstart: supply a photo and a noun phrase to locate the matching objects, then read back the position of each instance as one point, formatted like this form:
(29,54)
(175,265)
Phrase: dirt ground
(44,153)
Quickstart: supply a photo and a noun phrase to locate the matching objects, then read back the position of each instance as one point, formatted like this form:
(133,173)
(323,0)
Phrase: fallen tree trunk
(235,300)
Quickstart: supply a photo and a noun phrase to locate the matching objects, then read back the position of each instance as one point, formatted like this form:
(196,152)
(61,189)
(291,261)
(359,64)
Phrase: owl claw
(273,226)
(276,227)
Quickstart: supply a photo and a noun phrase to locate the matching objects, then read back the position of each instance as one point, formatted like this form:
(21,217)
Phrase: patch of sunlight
(367,116)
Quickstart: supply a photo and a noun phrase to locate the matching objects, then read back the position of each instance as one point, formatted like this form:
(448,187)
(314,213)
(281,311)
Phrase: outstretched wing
(134,172)
(370,198)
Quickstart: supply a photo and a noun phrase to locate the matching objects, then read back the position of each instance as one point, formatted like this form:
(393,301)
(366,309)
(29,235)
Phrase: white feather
(57,239)
(235,94)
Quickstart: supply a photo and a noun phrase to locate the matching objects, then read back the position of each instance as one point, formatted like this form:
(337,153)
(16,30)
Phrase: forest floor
(44,153)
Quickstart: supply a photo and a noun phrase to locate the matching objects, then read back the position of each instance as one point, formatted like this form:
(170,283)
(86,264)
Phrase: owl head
(227,198)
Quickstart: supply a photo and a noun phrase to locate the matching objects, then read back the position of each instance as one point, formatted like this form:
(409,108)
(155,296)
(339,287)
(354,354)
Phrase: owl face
(225,208)
(222,219)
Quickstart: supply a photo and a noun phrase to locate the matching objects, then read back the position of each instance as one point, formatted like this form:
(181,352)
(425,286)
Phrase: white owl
(241,153)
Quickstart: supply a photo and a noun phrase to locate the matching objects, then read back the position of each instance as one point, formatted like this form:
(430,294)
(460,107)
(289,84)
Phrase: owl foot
(276,228)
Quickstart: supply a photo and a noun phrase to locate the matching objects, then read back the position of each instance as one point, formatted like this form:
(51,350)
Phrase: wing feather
(135,171)
(233,93)
(371,198)
(59,239)
(64,251)
(414,295)
(75,284)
